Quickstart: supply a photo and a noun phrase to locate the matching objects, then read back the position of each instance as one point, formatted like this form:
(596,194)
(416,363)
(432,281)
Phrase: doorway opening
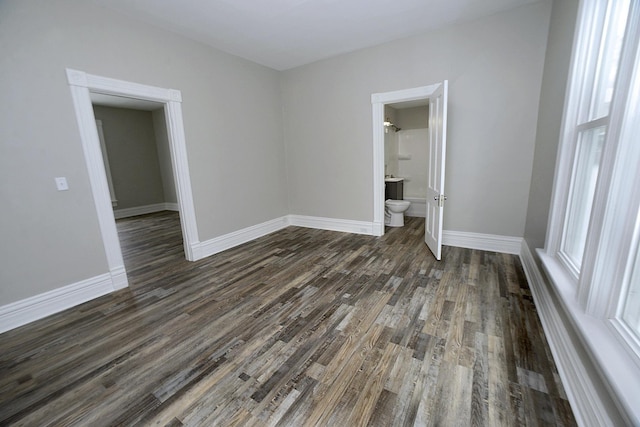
(435,96)
(406,152)
(137,161)
(83,86)
(136,155)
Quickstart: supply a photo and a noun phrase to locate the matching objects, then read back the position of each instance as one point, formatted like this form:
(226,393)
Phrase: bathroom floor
(300,327)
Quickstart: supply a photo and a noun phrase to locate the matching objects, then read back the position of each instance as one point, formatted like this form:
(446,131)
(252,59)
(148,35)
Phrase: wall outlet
(61,183)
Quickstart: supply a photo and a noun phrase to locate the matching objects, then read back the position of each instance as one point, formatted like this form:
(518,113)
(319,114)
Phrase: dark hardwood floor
(300,327)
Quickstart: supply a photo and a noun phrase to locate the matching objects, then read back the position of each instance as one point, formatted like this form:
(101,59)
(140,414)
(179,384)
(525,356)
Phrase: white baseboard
(417,208)
(236,238)
(587,407)
(33,308)
(146,209)
(377,229)
(230,240)
(119,278)
(332,224)
(37,307)
(484,242)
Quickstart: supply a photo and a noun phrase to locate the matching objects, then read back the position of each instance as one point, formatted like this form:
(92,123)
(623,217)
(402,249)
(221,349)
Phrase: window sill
(617,367)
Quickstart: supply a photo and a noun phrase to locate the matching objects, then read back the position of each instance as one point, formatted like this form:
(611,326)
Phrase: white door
(435,169)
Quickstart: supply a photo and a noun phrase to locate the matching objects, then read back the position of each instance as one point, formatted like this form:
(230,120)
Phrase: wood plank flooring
(300,327)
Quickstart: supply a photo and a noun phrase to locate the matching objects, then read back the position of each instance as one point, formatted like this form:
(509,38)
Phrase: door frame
(82,85)
(378,101)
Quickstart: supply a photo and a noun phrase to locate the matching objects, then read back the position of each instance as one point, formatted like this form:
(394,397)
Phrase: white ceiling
(284,34)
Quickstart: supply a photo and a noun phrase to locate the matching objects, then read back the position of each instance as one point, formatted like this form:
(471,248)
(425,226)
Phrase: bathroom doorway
(436,98)
(406,152)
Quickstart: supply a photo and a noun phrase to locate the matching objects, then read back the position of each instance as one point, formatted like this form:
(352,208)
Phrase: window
(583,184)
(630,314)
(592,252)
(588,131)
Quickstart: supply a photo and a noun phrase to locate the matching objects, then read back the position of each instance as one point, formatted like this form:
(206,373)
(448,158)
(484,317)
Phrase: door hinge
(440,200)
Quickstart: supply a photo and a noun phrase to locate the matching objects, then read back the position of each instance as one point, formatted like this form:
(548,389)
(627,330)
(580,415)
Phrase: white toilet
(394,212)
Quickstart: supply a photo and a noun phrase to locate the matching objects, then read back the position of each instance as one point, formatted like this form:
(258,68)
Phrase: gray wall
(164,156)
(133,157)
(412,118)
(232,119)
(551,106)
(494,67)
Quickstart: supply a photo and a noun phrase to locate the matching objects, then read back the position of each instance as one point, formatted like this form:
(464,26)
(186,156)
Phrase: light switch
(61,183)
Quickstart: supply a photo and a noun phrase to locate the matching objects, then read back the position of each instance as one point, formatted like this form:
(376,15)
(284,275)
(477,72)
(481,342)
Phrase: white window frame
(593,296)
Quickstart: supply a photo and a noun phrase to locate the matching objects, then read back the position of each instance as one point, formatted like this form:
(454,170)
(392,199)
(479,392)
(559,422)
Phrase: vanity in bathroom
(393,188)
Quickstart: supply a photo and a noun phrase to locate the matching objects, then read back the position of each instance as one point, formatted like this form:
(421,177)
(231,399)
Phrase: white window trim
(594,309)
(605,254)
(620,241)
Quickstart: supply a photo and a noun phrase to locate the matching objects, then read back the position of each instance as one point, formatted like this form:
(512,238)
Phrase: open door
(435,169)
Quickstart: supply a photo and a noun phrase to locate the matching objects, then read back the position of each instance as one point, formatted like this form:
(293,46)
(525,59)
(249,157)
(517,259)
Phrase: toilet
(394,212)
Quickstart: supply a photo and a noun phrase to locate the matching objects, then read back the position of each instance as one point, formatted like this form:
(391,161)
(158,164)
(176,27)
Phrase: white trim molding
(239,237)
(146,209)
(236,238)
(37,307)
(588,407)
(96,170)
(378,101)
(81,85)
(119,278)
(484,242)
(333,224)
(378,165)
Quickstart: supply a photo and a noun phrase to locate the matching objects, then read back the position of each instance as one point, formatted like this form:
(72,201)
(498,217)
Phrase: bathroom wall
(413,158)
(413,117)
(413,150)
(390,144)
(133,156)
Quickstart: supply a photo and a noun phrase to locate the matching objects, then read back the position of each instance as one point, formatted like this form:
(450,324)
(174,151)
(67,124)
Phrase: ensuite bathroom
(405,161)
